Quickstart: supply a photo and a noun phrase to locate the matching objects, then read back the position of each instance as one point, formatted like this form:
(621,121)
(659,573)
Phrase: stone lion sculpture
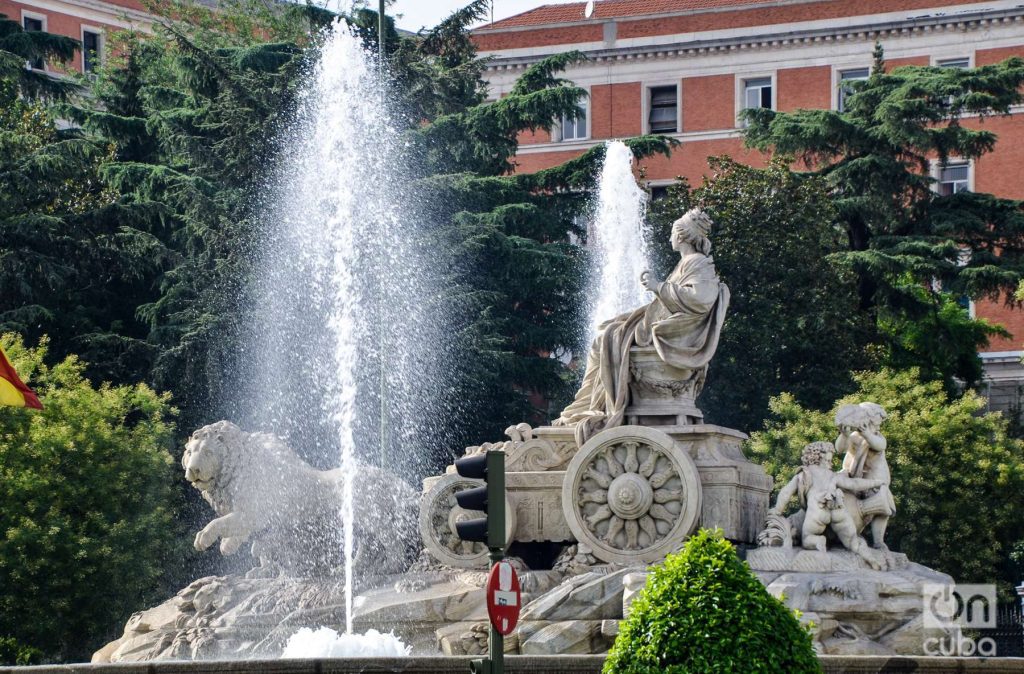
(263,492)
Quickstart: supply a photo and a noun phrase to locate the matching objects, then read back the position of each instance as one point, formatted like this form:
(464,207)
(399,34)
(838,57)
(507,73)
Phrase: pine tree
(189,112)
(70,259)
(19,46)
(184,117)
(915,251)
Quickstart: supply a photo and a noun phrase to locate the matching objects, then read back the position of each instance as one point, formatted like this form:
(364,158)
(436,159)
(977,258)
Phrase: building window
(757,93)
(31,23)
(575,128)
(845,78)
(961,63)
(664,110)
(92,50)
(954,178)
(659,192)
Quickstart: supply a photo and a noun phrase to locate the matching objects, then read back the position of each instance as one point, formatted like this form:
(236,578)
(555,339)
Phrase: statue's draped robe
(683,324)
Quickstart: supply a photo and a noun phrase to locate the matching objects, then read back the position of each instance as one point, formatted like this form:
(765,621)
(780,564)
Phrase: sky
(420,13)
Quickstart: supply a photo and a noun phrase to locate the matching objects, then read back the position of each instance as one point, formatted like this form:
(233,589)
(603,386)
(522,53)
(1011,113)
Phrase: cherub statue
(860,438)
(822,493)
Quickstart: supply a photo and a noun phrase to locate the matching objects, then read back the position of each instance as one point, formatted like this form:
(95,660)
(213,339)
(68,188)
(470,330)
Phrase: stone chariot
(629,495)
(629,470)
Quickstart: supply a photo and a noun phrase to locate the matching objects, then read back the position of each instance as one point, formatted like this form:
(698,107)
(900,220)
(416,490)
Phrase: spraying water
(341,333)
(617,238)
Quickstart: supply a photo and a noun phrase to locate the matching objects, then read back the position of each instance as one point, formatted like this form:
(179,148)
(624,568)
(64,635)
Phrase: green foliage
(18,46)
(793,322)
(903,237)
(953,470)
(483,138)
(515,281)
(438,73)
(189,112)
(87,500)
(704,611)
(14,653)
(73,262)
(944,340)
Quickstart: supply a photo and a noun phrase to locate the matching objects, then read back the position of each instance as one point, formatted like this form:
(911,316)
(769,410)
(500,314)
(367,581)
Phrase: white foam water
(326,643)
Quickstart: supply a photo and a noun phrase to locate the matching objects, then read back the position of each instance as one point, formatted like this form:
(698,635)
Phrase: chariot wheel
(438,514)
(631,495)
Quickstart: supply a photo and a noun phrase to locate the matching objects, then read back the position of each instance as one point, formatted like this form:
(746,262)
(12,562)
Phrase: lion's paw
(205,538)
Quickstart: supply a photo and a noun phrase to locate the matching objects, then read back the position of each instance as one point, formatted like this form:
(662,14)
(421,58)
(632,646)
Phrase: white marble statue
(822,495)
(864,446)
(682,323)
(263,492)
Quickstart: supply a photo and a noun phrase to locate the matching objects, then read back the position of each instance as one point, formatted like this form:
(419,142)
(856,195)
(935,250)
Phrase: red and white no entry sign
(503,598)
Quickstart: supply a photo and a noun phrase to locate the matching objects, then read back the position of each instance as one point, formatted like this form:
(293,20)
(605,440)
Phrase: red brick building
(687,67)
(89,21)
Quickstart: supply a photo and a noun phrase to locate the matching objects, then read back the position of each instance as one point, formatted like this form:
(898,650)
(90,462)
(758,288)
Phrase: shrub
(955,471)
(704,611)
(14,653)
(86,507)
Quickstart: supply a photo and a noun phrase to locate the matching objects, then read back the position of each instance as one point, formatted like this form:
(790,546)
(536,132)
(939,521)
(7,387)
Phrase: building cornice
(97,10)
(487,30)
(864,32)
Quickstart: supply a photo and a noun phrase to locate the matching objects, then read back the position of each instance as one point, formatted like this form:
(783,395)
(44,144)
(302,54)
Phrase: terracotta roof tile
(610,9)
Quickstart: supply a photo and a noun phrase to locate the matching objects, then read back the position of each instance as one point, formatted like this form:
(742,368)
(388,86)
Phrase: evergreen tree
(19,46)
(437,72)
(189,112)
(70,258)
(914,250)
(516,282)
(186,115)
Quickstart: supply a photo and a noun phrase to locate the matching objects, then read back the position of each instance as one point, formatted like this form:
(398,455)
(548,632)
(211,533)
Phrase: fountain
(617,238)
(339,339)
(342,361)
(343,287)
(333,370)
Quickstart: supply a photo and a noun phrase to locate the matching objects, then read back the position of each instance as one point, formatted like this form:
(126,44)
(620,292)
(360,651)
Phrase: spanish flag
(12,390)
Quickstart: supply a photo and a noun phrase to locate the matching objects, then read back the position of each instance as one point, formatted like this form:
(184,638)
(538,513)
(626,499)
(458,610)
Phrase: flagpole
(381,38)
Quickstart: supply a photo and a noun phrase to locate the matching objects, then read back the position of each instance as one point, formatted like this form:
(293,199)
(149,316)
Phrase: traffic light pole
(493,473)
(496,475)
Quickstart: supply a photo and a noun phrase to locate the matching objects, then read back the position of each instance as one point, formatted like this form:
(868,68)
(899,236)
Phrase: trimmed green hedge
(704,611)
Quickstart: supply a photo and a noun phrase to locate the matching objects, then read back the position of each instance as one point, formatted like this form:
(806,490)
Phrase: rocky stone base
(855,610)
(574,609)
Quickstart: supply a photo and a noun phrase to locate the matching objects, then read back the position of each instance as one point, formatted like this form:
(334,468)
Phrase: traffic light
(490,529)
(489,498)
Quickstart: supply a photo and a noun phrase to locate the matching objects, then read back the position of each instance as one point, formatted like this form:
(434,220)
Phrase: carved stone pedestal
(661,395)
